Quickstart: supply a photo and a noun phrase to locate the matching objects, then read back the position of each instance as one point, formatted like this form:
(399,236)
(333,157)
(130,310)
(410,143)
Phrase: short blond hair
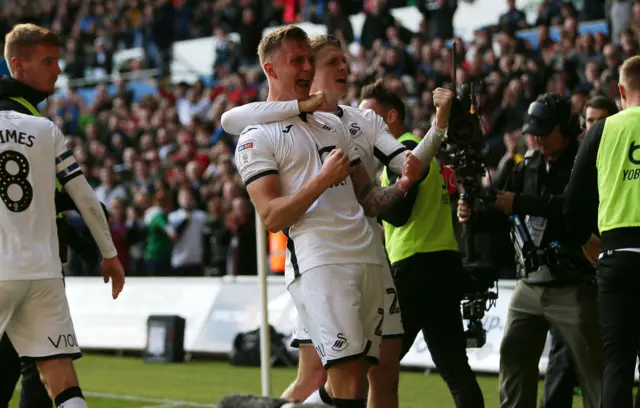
(274,40)
(326,40)
(630,73)
(22,37)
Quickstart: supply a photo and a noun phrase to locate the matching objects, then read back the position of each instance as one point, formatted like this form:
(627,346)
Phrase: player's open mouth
(342,81)
(303,83)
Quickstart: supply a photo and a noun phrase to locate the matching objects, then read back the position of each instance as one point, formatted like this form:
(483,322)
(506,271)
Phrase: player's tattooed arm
(374,200)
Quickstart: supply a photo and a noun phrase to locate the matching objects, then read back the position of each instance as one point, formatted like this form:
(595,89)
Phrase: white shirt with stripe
(334,229)
(32,153)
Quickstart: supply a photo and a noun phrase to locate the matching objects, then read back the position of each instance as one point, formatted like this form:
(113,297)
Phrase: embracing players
(371,136)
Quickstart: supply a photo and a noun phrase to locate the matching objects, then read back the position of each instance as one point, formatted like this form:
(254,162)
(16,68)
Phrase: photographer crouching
(556,287)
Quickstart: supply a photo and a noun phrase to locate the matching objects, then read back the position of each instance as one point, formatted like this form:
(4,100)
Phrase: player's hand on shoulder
(312,102)
(112,270)
(336,167)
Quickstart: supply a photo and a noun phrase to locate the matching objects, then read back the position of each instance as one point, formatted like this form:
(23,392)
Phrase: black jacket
(541,193)
(583,198)
(9,88)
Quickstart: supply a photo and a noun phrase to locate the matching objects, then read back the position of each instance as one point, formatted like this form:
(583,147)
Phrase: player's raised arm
(70,176)
(257,161)
(428,147)
(378,200)
(236,119)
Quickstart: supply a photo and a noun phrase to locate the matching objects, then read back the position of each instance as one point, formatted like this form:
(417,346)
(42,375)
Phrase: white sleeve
(429,146)
(238,118)
(386,148)
(87,202)
(255,154)
(70,176)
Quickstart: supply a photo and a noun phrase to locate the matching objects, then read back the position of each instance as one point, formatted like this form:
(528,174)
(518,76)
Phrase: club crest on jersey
(355,130)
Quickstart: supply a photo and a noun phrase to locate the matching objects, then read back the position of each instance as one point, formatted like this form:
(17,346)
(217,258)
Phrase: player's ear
(623,92)
(392,116)
(268,69)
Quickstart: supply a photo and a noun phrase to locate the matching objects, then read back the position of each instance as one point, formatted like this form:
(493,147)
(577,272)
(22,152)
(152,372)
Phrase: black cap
(547,112)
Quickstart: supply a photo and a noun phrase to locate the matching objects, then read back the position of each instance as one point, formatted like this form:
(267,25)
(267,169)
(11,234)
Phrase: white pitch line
(157,401)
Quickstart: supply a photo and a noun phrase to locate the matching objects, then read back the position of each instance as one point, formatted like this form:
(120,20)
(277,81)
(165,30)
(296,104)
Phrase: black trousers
(33,393)
(430,289)
(561,376)
(619,303)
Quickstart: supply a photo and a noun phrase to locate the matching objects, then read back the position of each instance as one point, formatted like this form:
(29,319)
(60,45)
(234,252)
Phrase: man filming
(556,281)
(561,378)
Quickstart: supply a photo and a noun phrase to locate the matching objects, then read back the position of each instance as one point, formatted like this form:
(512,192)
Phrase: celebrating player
(370,134)
(296,174)
(33,307)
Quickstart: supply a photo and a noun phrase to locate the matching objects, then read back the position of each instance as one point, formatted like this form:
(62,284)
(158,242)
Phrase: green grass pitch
(111,382)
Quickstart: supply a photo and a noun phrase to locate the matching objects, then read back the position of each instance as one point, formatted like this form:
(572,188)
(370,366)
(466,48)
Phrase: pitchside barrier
(216,309)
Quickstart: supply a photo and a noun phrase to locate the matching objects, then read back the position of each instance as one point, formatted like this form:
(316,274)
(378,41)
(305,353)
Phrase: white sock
(314,399)
(75,402)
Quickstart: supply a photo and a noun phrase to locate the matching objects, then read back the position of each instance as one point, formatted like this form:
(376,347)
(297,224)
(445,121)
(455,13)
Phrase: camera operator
(561,378)
(604,188)
(423,251)
(559,291)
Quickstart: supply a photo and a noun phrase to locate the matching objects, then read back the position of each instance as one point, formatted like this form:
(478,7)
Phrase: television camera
(463,151)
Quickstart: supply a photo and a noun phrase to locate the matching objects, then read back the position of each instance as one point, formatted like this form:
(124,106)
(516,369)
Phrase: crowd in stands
(163,165)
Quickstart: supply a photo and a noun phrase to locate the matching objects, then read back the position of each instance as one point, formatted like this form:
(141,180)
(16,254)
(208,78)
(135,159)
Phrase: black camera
(478,299)
(463,151)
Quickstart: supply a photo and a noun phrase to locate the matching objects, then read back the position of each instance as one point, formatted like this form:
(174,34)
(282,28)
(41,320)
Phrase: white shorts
(391,327)
(341,306)
(35,315)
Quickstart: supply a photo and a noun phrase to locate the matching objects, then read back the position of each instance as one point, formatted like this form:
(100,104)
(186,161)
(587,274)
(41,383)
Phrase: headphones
(549,108)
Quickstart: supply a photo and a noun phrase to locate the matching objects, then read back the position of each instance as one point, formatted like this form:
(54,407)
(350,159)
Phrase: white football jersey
(371,135)
(334,230)
(32,153)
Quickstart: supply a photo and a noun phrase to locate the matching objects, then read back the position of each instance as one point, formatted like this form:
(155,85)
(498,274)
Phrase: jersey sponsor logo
(632,174)
(632,151)
(245,146)
(244,152)
(64,340)
(287,129)
(355,130)
(340,343)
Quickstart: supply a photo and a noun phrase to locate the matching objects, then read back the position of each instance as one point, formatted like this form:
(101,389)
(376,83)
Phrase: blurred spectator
(157,254)
(187,230)
(141,150)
